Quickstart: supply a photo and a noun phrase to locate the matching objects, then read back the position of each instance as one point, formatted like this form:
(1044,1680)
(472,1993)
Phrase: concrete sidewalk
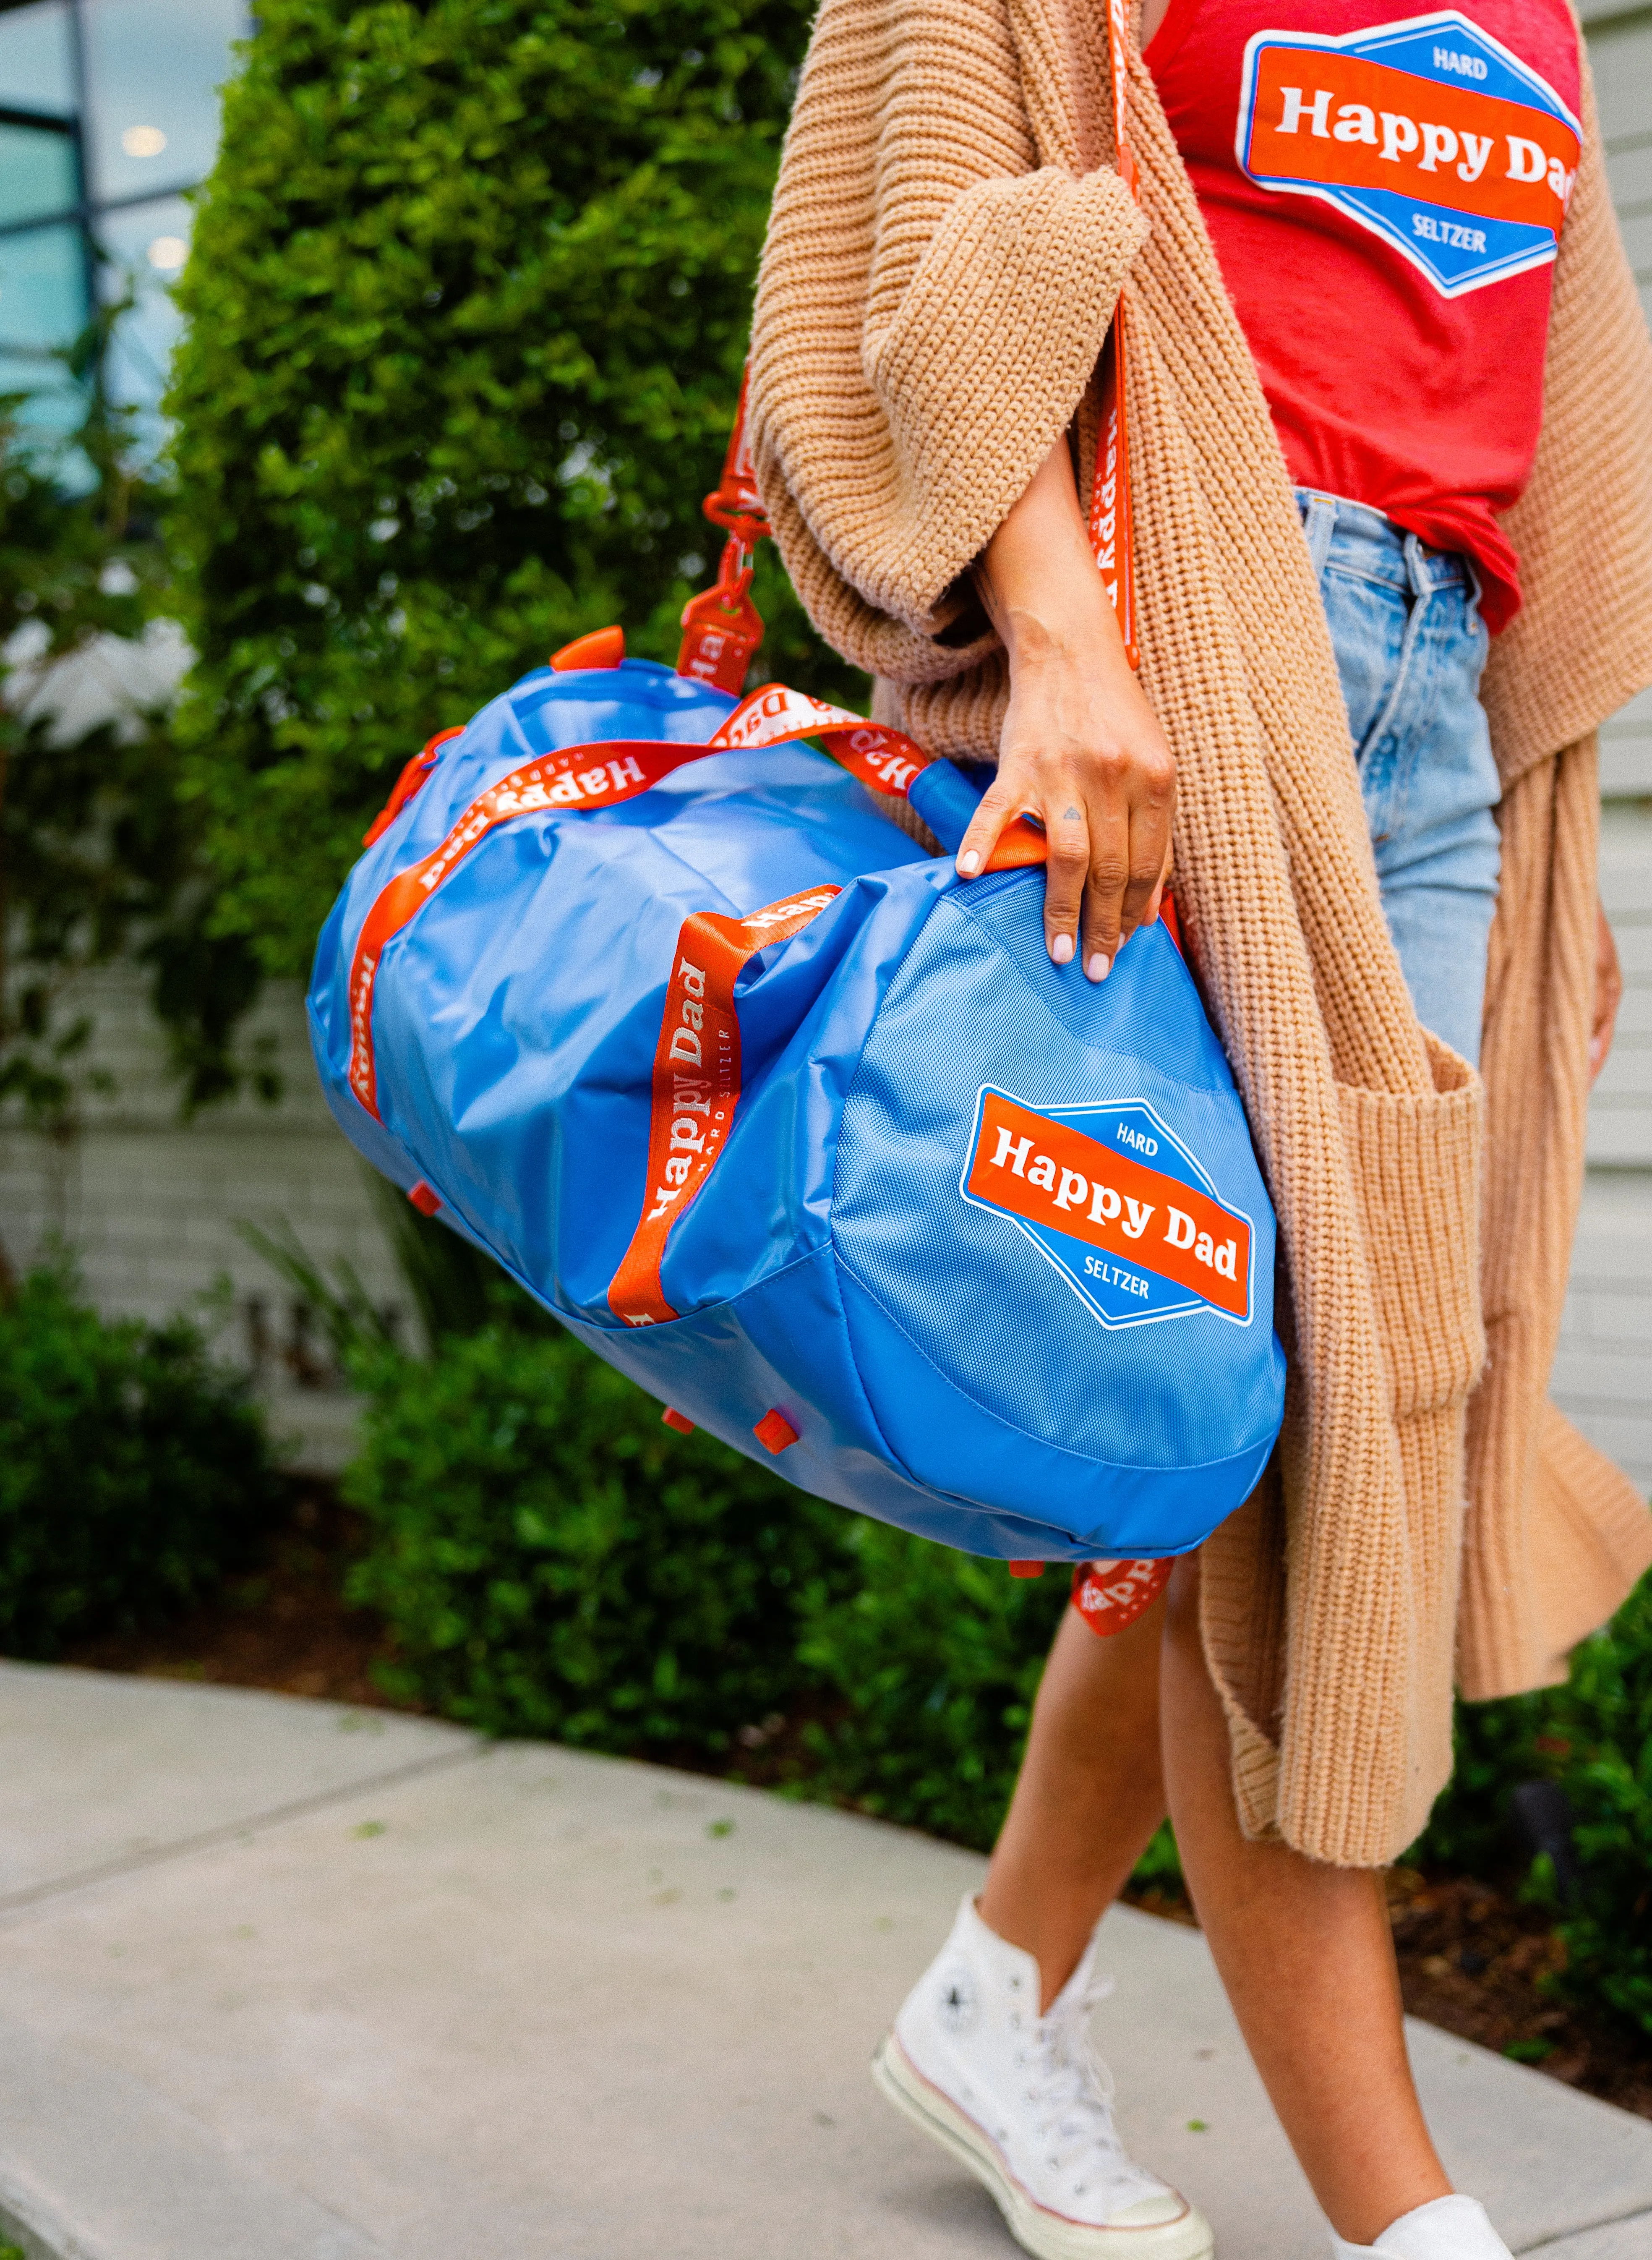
(283,1981)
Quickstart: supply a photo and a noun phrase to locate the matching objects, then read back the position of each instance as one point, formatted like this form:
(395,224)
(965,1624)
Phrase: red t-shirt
(1385,197)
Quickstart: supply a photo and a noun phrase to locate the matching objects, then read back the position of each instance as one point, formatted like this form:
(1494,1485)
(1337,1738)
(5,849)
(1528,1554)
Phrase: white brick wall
(148,1204)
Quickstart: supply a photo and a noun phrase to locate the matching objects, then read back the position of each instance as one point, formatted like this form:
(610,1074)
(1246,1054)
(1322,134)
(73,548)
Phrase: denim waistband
(1360,540)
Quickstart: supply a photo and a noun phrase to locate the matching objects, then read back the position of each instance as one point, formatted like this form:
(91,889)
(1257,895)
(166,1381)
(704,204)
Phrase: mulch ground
(284,1627)
(1472,1959)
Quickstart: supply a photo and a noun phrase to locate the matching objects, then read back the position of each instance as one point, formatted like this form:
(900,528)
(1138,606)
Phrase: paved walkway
(283,1981)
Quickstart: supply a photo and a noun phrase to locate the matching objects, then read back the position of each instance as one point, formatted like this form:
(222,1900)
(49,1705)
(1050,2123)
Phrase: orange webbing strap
(1112,525)
(411,778)
(1110,1595)
(885,760)
(737,506)
(579,777)
(696,1083)
(722,627)
(601,776)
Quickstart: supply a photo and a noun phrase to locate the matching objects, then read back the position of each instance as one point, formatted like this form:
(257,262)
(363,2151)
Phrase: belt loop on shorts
(1320,523)
(1423,582)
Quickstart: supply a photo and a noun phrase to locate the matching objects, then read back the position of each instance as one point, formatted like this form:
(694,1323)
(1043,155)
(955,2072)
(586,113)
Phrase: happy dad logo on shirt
(1428,132)
(1112,1199)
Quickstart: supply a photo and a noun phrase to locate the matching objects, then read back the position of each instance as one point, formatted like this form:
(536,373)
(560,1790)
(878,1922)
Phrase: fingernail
(1062,948)
(969,861)
(1098,967)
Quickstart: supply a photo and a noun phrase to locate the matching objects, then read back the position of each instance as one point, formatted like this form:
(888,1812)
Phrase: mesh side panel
(978,1004)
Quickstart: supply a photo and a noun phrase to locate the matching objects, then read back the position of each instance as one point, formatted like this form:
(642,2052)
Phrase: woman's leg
(1306,1956)
(1089,1794)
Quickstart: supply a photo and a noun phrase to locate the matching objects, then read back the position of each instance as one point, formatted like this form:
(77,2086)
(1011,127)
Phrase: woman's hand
(1608,994)
(1081,747)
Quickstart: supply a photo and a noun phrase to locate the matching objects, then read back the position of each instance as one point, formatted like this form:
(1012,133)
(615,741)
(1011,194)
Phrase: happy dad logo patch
(1123,1211)
(1430,132)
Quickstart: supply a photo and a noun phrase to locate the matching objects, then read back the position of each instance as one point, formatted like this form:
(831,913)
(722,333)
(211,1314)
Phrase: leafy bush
(98,854)
(555,1561)
(468,303)
(1601,1731)
(133,1472)
(1594,1737)
(937,1656)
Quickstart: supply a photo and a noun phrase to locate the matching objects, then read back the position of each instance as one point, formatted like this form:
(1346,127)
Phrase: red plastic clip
(1026,1569)
(424,1199)
(722,627)
(774,1433)
(679,1421)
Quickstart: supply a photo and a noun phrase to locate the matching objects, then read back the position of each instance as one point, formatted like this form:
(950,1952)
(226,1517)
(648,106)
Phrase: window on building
(109,113)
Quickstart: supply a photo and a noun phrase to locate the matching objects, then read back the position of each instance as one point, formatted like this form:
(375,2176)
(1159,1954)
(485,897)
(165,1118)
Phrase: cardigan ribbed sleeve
(932,305)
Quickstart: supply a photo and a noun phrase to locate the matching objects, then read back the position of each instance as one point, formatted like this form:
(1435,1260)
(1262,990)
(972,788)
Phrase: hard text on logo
(1068,1185)
(1381,122)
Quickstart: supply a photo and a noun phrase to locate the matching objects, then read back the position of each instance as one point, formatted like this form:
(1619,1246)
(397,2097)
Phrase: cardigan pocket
(1415,1160)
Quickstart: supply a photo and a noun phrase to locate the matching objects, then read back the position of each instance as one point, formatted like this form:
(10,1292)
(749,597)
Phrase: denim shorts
(1410,646)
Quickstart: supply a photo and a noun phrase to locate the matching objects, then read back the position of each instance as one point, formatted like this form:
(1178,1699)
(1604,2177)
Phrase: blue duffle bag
(640,990)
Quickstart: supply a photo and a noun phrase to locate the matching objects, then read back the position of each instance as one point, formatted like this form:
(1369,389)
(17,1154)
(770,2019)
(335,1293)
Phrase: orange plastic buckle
(424,1199)
(774,1433)
(722,627)
(602,648)
(679,1421)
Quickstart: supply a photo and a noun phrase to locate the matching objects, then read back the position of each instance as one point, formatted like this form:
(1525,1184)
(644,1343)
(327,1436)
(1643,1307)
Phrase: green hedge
(133,1472)
(466,307)
(936,1656)
(1594,1737)
(555,1561)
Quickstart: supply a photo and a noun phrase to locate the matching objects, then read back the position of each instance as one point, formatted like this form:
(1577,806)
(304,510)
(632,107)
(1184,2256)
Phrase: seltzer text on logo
(1428,132)
(1136,1241)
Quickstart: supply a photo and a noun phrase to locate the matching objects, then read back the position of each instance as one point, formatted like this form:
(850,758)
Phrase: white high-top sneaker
(1021,2101)
(1445,2228)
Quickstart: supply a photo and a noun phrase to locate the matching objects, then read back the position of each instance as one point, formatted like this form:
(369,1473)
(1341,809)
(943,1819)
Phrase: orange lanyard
(1111,535)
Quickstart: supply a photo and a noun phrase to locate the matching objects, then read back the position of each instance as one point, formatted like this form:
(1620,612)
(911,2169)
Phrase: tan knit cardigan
(947,242)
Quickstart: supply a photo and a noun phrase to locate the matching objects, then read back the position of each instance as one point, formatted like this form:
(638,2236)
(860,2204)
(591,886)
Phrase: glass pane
(146,247)
(42,291)
(35,71)
(153,69)
(37,173)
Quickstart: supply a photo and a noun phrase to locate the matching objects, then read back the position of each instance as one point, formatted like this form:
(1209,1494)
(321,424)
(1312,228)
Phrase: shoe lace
(1071,2090)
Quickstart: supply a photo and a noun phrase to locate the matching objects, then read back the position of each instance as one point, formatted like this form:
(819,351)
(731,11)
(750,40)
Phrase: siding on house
(148,1206)
(1603,1374)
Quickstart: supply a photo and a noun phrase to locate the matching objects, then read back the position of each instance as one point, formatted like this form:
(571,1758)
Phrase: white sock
(1445,2228)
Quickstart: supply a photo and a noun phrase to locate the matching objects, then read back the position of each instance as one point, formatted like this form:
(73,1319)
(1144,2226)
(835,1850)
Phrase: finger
(1149,852)
(1104,896)
(1067,828)
(1001,802)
